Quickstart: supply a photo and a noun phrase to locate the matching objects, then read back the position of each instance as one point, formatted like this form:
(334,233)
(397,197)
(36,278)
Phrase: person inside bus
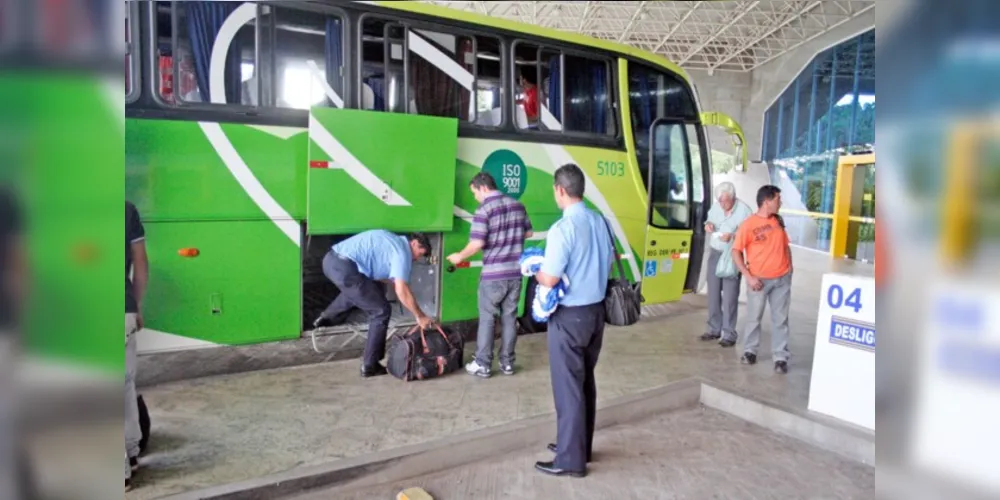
(528,99)
(357,265)
(724,219)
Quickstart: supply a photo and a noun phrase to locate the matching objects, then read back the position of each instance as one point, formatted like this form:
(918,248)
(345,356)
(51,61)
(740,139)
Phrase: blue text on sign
(836,299)
(854,334)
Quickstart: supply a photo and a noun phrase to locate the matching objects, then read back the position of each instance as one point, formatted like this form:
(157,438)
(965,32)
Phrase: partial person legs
(713,330)
(755,314)
(777,293)
(508,326)
(568,341)
(133,433)
(358,291)
(730,310)
(780,299)
(490,297)
(591,355)
(576,336)
(496,297)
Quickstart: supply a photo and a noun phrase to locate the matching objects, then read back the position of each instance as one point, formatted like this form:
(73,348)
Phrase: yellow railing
(842,217)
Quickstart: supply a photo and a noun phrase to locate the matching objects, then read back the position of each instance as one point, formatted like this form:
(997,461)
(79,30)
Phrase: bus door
(380,170)
(667,257)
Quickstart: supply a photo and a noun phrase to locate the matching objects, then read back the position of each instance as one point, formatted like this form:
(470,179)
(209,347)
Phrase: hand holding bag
(623,300)
(727,267)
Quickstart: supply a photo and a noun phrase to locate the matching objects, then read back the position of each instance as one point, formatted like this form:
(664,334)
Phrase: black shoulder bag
(623,300)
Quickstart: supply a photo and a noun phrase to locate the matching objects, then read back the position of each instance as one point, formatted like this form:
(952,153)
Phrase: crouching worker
(357,266)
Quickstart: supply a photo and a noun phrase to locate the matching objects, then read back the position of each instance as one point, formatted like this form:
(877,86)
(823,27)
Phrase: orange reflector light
(188,252)
(464,265)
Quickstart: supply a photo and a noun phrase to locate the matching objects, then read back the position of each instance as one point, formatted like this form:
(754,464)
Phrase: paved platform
(690,454)
(225,429)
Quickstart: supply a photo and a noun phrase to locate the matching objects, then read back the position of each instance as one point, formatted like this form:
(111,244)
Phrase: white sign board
(958,395)
(843,374)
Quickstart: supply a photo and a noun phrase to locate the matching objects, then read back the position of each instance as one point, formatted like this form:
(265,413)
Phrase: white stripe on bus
(350,164)
(231,158)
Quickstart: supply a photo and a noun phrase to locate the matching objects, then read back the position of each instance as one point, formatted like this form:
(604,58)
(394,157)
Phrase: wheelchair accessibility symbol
(650,269)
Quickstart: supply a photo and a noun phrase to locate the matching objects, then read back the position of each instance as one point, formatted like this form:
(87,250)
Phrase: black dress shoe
(550,469)
(373,371)
(727,342)
(555,449)
(322,322)
(708,337)
(133,463)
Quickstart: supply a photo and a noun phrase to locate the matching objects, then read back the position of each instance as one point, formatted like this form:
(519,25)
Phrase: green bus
(258,134)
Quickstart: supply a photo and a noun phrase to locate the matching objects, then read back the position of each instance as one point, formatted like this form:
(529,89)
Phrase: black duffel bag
(423,355)
(623,300)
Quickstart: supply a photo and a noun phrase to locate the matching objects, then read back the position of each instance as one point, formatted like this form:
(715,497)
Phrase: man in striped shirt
(499,229)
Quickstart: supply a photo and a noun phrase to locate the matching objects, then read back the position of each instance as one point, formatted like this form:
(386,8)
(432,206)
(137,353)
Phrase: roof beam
(631,22)
(677,26)
(817,35)
(588,10)
(746,10)
(797,15)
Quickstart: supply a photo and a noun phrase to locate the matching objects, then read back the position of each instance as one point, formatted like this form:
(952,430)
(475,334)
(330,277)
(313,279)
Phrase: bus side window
(562,92)
(437,73)
(309,58)
(131,62)
(381,54)
(185,53)
(589,96)
(537,87)
(653,95)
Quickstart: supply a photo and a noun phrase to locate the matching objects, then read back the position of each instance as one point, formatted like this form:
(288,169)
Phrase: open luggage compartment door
(377,170)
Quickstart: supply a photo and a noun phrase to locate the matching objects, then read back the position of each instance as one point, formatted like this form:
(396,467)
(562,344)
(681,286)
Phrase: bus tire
(528,324)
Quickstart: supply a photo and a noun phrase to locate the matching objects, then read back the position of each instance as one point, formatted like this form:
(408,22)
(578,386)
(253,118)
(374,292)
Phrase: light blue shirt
(727,223)
(578,246)
(380,255)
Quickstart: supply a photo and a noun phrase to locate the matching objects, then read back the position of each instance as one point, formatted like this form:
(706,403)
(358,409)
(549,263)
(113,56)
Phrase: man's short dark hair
(484,180)
(423,241)
(570,178)
(767,193)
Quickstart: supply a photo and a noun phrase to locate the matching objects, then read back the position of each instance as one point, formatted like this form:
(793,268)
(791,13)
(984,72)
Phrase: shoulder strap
(614,251)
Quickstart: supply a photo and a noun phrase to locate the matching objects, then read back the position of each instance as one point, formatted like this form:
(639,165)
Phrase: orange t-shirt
(765,244)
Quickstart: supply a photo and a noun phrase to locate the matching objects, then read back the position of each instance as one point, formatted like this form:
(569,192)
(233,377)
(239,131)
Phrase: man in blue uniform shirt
(578,247)
(357,265)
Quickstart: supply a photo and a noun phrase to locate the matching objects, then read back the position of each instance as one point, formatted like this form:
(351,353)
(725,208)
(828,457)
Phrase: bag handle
(423,338)
(614,250)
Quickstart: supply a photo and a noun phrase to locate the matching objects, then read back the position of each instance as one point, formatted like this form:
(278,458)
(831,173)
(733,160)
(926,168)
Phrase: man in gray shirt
(499,229)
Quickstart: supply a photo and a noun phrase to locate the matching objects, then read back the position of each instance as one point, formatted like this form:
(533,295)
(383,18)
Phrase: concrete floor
(694,454)
(223,429)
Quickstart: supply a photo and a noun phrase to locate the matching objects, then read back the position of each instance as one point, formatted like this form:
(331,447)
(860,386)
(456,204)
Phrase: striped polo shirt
(501,223)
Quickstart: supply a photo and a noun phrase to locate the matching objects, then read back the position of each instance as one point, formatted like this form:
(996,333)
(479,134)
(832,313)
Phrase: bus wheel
(528,324)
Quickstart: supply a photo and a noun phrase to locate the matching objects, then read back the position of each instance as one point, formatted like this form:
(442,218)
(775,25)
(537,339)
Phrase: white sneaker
(478,370)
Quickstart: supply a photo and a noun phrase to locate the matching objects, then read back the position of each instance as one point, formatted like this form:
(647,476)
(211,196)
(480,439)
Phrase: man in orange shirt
(762,253)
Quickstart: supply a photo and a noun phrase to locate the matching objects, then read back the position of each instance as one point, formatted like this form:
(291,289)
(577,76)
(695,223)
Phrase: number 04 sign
(843,378)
